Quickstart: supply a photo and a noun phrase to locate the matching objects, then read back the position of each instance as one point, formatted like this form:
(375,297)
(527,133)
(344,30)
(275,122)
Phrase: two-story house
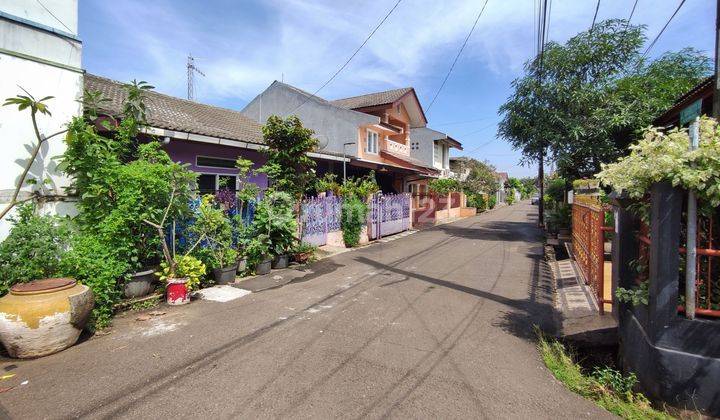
(433,148)
(373,131)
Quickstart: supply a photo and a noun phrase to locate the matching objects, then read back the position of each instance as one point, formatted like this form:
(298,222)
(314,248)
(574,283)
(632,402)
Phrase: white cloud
(306,41)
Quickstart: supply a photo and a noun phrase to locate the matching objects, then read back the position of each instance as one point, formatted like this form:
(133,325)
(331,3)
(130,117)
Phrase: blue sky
(242,46)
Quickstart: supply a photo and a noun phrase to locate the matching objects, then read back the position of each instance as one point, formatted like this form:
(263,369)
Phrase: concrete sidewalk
(434,325)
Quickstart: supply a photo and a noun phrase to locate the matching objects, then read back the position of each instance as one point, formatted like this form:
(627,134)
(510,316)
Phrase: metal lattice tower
(191,69)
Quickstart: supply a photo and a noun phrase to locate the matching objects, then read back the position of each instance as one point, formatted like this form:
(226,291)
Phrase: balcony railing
(399,148)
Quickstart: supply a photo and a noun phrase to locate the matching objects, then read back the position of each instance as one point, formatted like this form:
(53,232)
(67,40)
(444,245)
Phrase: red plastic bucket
(177,292)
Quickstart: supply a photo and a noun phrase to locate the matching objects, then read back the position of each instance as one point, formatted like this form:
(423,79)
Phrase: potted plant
(180,273)
(258,252)
(274,218)
(181,276)
(217,248)
(242,239)
(303,252)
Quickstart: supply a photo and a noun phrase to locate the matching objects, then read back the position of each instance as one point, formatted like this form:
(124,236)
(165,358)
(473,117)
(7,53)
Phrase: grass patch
(607,387)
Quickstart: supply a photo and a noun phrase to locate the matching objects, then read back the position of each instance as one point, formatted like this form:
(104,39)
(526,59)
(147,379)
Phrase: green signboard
(689,113)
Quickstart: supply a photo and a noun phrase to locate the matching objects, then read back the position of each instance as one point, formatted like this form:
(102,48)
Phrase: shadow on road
(536,310)
(502,231)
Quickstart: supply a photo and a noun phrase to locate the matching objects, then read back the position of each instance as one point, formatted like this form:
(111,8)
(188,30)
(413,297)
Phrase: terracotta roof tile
(178,114)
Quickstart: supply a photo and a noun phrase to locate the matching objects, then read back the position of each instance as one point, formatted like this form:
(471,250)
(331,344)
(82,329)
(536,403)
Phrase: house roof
(702,89)
(502,176)
(388,97)
(372,99)
(171,113)
(436,135)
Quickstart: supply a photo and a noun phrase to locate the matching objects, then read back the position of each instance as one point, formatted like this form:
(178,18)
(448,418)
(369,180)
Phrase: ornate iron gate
(389,214)
(319,215)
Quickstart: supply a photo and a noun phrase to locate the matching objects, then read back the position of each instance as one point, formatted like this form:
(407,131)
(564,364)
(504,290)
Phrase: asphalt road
(437,324)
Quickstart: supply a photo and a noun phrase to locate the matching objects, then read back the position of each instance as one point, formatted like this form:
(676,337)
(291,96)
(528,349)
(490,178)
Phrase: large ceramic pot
(225,275)
(140,284)
(44,316)
(281,261)
(263,267)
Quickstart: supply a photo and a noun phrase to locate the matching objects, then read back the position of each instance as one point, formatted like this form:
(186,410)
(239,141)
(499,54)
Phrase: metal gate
(319,215)
(588,246)
(389,214)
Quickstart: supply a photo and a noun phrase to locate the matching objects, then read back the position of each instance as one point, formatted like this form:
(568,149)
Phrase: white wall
(45,64)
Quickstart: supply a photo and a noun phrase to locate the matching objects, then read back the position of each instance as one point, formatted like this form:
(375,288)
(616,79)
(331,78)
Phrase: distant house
(209,139)
(501,194)
(371,132)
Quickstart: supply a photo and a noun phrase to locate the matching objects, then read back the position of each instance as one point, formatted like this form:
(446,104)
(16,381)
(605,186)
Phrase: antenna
(191,69)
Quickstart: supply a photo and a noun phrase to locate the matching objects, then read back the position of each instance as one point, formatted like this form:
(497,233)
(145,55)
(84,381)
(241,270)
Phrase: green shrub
(274,217)
(443,186)
(212,225)
(555,190)
(510,198)
(96,264)
(186,266)
(33,248)
(477,201)
(354,215)
(559,216)
(360,187)
(492,202)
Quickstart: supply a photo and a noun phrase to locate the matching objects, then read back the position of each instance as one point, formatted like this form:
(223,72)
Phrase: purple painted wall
(184,151)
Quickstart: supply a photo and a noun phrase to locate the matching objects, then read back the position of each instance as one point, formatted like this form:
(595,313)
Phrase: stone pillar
(665,219)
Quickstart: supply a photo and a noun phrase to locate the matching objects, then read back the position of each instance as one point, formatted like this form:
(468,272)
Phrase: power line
(479,129)
(427,110)
(652,44)
(597,7)
(632,12)
(351,57)
(462,122)
(56,18)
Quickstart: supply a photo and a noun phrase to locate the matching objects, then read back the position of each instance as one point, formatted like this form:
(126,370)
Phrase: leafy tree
(289,167)
(592,95)
(481,177)
(528,184)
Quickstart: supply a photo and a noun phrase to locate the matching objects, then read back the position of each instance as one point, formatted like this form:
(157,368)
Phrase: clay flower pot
(225,275)
(302,257)
(263,267)
(281,261)
(177,291)
(140,284)
(44,316)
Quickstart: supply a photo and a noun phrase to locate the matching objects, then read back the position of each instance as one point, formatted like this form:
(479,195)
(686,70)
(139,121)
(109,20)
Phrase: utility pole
(716,93)
(191,69)
(541,176)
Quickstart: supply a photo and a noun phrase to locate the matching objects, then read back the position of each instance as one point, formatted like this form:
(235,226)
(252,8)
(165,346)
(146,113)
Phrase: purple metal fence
(389,214)
(318,216)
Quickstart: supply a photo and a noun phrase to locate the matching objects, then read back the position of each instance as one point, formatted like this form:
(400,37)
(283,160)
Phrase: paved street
(437,324)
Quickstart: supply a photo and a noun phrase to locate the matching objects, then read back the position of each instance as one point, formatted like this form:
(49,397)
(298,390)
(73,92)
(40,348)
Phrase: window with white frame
(437,155)
(371,145)
(212,183)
